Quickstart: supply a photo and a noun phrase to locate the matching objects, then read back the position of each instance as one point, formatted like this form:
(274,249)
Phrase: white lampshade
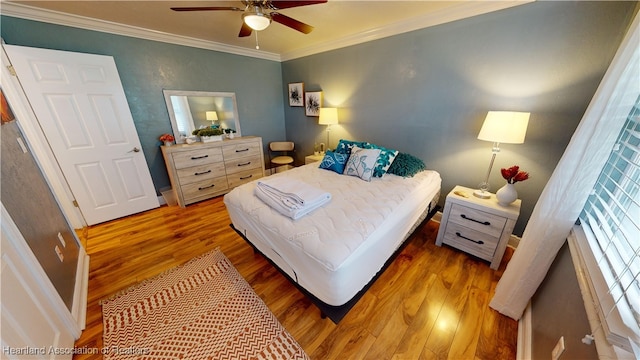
(212,116)
(256,19)
(328,116)
(507,127)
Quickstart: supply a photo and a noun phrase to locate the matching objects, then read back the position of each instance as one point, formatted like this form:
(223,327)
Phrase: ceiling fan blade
(292,23)
(245,30)
(206,8)
(289,4)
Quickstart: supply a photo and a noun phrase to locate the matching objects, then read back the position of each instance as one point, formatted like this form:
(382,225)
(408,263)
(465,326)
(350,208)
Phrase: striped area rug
(201,310)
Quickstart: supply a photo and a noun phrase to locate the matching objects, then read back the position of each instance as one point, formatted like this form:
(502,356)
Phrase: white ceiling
(337,23)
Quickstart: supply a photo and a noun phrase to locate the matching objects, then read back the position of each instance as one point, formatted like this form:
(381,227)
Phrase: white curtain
(571,182)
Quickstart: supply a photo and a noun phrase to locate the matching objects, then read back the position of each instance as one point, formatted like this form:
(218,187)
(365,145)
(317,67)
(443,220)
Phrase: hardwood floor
(431,303)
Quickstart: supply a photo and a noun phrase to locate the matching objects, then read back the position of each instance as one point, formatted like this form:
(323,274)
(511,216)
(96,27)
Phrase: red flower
(513,174)
(167,137)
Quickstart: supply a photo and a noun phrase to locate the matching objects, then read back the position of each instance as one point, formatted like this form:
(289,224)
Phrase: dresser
(480,227)
(204,170)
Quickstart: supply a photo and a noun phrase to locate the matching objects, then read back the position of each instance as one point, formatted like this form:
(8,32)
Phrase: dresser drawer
(204,189)
(471,241)
(237,151)
(478,220)
(200,173)
(240,178)
(243,164)
(185,159)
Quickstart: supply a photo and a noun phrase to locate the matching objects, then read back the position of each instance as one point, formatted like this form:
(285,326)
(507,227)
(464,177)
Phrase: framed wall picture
(313,103)
(296,92)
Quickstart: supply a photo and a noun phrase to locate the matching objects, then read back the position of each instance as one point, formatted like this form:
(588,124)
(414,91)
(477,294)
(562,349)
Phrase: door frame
(34,135)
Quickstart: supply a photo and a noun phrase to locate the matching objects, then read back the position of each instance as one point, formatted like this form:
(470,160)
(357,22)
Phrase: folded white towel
(290,197)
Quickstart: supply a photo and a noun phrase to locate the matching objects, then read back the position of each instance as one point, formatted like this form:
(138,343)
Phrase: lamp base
(482,194)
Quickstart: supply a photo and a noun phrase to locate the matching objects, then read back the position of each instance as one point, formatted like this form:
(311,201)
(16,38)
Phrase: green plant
(207,132)
(229,131)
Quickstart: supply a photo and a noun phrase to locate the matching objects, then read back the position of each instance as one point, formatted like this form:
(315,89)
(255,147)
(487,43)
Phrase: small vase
(506,194)
(168,143)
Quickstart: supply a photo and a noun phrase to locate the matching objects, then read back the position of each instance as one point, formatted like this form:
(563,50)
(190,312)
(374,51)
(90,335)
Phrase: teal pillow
(361,163)
(384,160)
(334,161)
(406,165)
(345,146)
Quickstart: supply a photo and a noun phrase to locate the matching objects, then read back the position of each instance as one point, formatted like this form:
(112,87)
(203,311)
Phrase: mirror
(191,110)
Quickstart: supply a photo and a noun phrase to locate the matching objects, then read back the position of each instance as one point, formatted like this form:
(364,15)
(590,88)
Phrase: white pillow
(362,162)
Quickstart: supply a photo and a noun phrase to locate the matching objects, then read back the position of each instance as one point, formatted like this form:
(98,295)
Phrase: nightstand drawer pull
(246,177)
(202,173)
(199,157)
(474,220)
(206,187)
(245,164)
(479,242)
(243,150)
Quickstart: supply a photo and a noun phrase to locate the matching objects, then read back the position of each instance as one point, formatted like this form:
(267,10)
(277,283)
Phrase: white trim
(525,335)
(462,11)
(81,290)
(449,14)
(55,304)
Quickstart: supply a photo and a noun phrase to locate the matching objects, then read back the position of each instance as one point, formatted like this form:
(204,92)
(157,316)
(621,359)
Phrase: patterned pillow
(345,146)
(384,161)
(334,161)
(361,163)
(406,165)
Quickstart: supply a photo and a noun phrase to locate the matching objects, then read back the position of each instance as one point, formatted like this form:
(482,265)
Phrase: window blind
(612,213)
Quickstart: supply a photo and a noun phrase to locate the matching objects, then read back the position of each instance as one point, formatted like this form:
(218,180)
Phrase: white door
(82,109)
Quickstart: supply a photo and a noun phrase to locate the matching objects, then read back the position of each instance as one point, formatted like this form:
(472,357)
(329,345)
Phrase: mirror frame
(174,125)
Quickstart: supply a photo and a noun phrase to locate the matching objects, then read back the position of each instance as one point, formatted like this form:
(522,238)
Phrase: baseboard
(81,290)
(523,351)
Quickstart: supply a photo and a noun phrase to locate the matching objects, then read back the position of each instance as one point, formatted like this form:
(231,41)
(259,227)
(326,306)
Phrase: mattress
(336,250)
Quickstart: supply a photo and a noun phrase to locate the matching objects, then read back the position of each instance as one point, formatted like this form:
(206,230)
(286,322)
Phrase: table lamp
(328,116)
(507,127)
(212,116)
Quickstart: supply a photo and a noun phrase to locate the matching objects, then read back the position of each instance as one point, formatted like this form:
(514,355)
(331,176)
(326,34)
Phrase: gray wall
(147,67)
(31,204)
(558,310)
(427,92)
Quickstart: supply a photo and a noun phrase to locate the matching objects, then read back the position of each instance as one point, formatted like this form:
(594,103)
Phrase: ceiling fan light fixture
(256,19)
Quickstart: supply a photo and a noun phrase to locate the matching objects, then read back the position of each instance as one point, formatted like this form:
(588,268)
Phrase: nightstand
(480,227)
(313,158)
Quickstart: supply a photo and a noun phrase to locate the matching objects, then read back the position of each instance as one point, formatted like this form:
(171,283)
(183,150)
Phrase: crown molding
(86,23)
(450,14)
(458,12)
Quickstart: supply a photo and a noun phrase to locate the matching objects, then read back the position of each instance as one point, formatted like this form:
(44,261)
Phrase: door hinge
(75,203)
(11,70)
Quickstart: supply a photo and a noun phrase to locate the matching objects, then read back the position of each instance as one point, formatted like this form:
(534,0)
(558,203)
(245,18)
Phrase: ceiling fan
(258,14)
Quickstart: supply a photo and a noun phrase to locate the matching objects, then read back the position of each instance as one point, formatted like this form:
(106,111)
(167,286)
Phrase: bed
(335,252)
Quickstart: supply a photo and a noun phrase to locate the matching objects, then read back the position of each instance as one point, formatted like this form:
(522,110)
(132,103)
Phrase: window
(611,220)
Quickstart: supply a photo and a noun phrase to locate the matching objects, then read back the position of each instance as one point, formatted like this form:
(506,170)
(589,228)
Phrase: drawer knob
(199,157)
(479,242)
(202,173)
(206,187)
(474,220)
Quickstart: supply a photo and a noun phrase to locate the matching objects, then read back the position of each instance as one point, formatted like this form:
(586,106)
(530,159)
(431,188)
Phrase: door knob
(135,149)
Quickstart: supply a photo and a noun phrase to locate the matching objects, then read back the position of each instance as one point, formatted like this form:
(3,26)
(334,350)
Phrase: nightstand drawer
(478,220)
(471,241)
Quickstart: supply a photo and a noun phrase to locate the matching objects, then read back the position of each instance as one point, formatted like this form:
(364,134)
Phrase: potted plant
(209,134)
(230,133)
(167,139)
